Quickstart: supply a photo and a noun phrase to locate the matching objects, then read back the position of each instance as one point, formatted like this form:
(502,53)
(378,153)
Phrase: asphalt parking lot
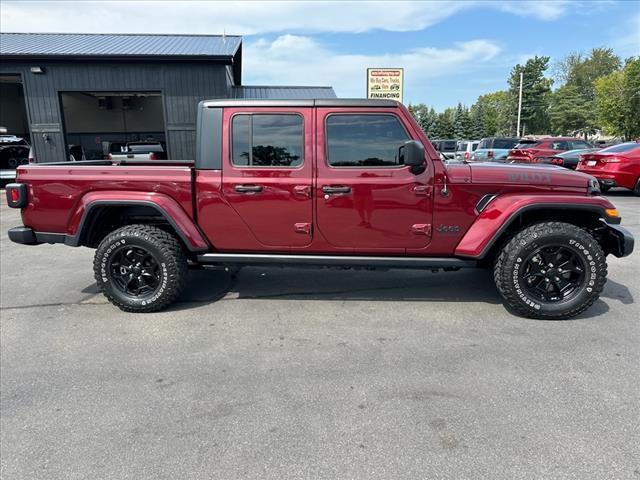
(301,373)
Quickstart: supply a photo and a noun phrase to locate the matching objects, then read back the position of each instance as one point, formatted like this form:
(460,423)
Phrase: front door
(366,199)
(268,172)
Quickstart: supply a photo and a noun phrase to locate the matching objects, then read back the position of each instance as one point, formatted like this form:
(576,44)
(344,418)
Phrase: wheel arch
(102,216)
(484,248)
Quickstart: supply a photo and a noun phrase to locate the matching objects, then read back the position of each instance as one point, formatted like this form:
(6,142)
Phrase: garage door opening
(99,123)
(14,126)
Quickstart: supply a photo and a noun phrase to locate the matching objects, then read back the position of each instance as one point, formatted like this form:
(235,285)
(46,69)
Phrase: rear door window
(364,140)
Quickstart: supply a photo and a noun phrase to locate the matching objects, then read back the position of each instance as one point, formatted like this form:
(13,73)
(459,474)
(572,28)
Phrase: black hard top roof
(312,102)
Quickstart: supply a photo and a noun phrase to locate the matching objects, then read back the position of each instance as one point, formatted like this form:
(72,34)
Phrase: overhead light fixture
(37,70)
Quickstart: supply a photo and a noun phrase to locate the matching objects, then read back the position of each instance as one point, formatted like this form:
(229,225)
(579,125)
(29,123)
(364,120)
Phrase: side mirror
(412,153)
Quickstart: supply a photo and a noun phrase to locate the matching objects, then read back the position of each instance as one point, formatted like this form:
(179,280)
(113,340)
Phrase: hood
(539,175)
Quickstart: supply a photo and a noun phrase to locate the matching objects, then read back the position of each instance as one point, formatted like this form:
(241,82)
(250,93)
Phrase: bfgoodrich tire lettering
(588,256)
(158,251)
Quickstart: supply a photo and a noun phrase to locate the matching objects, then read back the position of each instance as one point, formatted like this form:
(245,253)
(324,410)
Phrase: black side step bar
(335,260)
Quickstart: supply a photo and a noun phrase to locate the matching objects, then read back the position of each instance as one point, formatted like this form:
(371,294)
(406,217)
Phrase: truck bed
(56,189)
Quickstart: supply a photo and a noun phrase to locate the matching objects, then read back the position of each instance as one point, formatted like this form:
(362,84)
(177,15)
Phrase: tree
(461,122)
(496,107)
(571,112)
(425,116)
(618,100)
(535,94)
(601,62)
(577,97)
(444,124)
(478,119)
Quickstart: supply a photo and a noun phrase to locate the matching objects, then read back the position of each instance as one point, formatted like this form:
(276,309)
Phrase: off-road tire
(527,241)
(165,249)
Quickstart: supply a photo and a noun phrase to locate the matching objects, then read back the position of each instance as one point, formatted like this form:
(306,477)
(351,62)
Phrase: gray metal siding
(183,85)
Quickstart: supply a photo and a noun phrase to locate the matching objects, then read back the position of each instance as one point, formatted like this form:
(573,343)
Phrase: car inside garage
(97,124)
(14,125)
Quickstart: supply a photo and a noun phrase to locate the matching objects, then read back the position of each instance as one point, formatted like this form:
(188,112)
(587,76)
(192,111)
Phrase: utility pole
(519,104)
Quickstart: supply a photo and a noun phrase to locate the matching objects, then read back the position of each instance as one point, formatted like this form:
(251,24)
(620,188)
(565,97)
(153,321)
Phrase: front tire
(551,270)
(140,268)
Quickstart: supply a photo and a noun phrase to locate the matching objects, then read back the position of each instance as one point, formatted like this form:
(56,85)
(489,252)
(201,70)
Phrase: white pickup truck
(141,151)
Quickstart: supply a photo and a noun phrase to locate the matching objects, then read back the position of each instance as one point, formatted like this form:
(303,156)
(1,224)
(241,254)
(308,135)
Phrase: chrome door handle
(248,188)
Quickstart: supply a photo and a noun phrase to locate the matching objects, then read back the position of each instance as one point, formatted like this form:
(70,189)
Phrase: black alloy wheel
(553,273)
(135,272)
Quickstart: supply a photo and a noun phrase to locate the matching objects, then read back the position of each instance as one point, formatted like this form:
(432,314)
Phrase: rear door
(366,199)
(267,173)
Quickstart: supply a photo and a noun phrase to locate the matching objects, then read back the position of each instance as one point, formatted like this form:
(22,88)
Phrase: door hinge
(421,229)
(303,228)
(422,190)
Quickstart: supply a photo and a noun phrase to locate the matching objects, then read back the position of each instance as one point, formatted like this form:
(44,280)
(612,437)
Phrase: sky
(452,51)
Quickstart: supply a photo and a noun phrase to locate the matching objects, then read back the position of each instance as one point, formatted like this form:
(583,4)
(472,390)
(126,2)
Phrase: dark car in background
(494,149)
(446,147)
(528,149)
(14,151)
(568,159)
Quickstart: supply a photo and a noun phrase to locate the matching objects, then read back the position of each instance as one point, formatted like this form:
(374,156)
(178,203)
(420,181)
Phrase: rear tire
(551,270)
(636,190)
(140,268)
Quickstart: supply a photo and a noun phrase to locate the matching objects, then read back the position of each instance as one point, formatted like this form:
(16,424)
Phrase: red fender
(167,206)
(497,216)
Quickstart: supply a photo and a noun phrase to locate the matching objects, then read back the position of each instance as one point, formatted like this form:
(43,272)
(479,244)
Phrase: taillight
(557,161)
(490,154)
(16,195)
(610,159)
(152,156)
(109,157)
(466,155)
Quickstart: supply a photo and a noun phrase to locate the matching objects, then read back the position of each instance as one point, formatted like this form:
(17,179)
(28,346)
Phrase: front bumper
(619,241)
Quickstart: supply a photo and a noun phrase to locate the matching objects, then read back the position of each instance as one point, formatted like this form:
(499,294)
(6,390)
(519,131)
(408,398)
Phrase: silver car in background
(494,149)
(465,150)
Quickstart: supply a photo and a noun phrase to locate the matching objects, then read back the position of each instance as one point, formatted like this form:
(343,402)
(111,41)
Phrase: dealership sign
(385,83)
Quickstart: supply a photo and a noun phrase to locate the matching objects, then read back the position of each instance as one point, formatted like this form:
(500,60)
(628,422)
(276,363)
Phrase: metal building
(64,91)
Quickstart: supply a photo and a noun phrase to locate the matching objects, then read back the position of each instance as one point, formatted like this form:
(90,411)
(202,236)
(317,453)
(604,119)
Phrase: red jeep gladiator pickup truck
(344,183)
